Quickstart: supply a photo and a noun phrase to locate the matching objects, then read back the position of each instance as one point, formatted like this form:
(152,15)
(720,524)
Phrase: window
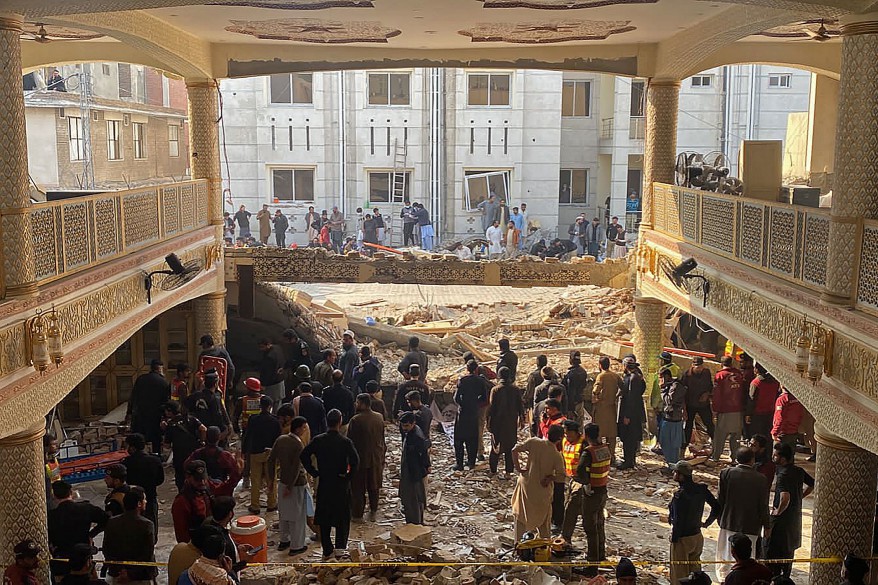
(389,89)
(291,88)
(293,184)
(638,99)
(114,150)
(76,138)
(139,130)
(173,140)
(576,99)
(573,186)
(488,89)
(480,184)
(702,80)
(380,183)
(105,68)
(783,80)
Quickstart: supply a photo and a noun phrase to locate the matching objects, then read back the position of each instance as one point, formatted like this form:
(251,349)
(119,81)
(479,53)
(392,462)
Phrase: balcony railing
(75,234)
(789,241)
(636,128)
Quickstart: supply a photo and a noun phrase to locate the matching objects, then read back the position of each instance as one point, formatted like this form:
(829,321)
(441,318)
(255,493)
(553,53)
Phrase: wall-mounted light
(54,338)
(803,345)
(44,340)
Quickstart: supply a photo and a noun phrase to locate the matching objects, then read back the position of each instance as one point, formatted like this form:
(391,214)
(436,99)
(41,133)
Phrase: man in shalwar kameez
(532,496)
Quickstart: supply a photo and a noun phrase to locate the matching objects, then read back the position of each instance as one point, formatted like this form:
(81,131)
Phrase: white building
(561,142)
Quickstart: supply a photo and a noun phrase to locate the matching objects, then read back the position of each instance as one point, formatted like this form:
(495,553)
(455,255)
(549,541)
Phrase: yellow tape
(391,564)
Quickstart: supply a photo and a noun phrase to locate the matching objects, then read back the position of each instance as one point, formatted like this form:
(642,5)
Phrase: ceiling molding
(314,30)
(546,32)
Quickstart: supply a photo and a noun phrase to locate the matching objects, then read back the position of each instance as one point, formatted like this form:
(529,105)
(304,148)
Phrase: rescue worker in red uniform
(180,383)
(593,472)
(573,446)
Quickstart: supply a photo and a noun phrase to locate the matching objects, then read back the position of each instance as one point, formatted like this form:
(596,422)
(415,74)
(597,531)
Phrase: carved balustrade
(75,234)
(788,241)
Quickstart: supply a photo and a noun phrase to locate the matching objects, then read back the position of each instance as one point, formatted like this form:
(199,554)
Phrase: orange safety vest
(53,471)
(599,471)
(176,386)
(249,407)
(572,452)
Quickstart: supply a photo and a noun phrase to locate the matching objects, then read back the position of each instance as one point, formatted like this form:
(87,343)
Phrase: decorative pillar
(204,144)
(23,494)
(844,506)
(210,316)
(660,147)
(854,193)
(15,221)
(822,124)
(649,335)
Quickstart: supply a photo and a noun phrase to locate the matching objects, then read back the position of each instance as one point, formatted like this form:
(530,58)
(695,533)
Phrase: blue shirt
(518,220)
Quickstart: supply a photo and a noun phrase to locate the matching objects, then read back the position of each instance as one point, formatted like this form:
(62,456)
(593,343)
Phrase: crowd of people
(312,436)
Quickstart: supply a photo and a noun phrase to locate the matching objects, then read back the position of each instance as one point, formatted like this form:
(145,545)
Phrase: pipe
(342,151)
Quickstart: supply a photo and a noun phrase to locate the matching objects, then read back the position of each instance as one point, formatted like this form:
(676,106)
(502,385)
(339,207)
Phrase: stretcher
(90,466)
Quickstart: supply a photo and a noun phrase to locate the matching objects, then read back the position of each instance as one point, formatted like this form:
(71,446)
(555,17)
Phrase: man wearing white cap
(349,358)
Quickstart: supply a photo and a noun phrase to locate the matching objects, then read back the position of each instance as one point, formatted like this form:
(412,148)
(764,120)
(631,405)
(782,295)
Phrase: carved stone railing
(867,284)
(72,235)
(788,241)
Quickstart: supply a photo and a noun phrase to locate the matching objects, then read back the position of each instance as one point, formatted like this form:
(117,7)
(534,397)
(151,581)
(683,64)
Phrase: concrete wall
(42,148)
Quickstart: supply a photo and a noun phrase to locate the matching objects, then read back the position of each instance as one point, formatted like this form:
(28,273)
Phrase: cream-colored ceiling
(632,37)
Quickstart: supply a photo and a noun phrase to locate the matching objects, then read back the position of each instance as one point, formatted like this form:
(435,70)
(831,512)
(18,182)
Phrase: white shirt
(494,235)
(464,253)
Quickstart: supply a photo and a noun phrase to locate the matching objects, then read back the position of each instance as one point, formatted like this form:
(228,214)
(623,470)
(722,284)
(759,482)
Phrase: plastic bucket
(251,530)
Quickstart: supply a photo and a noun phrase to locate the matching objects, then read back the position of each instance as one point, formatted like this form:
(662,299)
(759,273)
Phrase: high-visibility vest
(250,406)
(176,386)
(53,471)
(572,452)
(599,471)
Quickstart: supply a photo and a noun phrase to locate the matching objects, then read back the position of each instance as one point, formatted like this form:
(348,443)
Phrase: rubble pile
(576,319)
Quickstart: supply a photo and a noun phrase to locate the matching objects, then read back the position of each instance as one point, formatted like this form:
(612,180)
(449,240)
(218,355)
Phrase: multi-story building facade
(113,126)
(563,143)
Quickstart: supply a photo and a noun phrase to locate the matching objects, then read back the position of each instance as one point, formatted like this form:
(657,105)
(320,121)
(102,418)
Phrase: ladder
(398,188)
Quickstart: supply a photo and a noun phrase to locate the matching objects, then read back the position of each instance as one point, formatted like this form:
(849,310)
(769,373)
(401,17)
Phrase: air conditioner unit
(61,113)
(126,119)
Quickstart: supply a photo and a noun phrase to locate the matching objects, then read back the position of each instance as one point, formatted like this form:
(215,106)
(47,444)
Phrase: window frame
(139,140)
(781,77)
(490,103)
(389,172)
(174,141)
(79,140)
(701,84)
(571,201)
(469,174)
(642,106)
(292,90)
(389,77)
(294,170)
(587,103)
(114,137)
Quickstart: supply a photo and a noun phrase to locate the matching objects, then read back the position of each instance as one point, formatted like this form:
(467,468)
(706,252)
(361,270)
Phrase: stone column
(822,123)
(844,506)
(210,316)
(649,333)
(204,143)
(660,147)
(854,193)
(23,494)
(15,221)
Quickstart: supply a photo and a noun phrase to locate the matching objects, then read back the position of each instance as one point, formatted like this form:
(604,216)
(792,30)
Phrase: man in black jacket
(271,371)
(508,358)
(576,381)
(336,461)
(699,384)
(414,356)
(472,391)
(208,348)
(632,412)
(146,471)
(207,406)
(684,515)
(414,467)
(339,396)
(130,537)
(150,392)
(71,523)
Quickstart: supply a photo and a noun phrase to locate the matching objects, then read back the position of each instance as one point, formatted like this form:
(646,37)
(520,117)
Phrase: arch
(820,58)
(36,55)
(175,49)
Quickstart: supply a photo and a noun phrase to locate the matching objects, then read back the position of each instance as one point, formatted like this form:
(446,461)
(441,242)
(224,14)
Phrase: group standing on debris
(313,440)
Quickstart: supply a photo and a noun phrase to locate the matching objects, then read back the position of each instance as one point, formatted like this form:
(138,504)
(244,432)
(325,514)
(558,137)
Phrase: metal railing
(788,241)
(75,234)
(606,128)
(636,128)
